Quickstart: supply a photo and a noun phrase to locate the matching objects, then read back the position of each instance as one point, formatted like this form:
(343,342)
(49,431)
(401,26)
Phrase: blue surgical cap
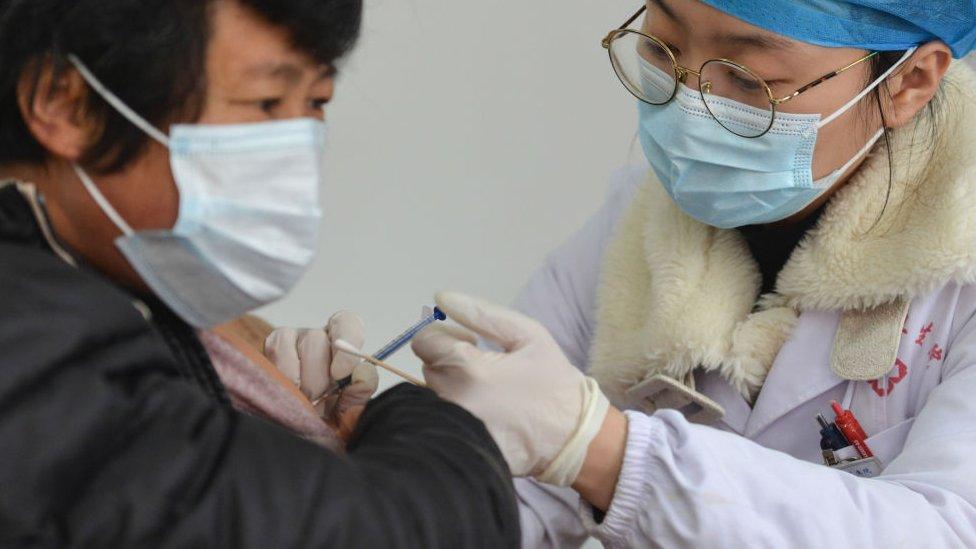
(881,25)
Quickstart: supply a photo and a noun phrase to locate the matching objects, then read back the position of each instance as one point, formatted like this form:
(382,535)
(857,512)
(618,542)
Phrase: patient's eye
(268,105)
(318,103)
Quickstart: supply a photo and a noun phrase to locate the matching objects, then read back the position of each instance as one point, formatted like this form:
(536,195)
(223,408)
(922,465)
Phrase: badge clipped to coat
(664,392)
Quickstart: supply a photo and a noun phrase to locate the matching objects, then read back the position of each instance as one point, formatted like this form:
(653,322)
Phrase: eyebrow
(756,41)
(669,12)
(285,71)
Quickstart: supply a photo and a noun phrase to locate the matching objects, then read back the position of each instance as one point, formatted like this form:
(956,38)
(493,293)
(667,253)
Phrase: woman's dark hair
(879,65)
(148,52)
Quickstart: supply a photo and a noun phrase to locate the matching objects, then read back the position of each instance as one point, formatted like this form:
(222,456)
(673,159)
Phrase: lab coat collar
(737,410)
(677,296)
(884,238)
(799,375)
(801,372)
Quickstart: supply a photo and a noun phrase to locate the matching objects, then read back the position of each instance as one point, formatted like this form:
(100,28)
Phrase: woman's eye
(744,84)
(655,51)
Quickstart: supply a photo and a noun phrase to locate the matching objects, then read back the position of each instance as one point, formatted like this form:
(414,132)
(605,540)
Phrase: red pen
(852,430)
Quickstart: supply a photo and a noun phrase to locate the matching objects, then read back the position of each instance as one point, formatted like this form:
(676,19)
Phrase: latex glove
(540,409)
(307,358)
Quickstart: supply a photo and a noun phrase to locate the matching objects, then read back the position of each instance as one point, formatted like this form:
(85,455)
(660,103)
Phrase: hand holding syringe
(346,347)
(431,316)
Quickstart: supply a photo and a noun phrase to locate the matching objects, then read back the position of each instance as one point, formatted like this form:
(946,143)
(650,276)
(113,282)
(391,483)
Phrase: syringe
(430,316)
(399,341)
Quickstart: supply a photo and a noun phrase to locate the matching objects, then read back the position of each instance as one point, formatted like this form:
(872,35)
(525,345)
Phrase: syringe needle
(387,350)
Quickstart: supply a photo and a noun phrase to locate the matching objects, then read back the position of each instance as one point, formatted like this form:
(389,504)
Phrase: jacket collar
(23,219)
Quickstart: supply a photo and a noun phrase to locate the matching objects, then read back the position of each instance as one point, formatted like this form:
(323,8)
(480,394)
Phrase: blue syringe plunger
(404,338)
(436,315)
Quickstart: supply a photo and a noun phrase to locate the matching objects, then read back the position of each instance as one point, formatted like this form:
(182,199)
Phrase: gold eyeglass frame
(681,73)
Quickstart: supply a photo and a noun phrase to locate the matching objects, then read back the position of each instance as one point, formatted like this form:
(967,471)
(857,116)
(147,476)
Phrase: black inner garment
(772,246)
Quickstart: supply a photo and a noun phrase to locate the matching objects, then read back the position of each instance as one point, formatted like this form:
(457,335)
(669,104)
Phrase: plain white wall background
(467,140)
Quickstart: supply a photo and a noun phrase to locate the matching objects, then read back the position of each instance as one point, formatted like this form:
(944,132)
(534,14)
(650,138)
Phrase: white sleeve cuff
(618,525)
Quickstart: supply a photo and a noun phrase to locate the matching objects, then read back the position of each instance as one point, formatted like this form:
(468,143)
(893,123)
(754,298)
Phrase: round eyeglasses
(649,70)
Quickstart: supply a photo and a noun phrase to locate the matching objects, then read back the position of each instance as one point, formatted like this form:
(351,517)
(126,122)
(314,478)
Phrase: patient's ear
(914,84)
(53,108)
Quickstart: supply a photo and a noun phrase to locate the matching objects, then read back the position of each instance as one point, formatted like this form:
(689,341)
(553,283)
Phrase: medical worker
(805,235)
(160,164)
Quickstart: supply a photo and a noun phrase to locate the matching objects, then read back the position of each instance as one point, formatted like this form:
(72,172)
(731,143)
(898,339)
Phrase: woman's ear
(913,85)
(53,109)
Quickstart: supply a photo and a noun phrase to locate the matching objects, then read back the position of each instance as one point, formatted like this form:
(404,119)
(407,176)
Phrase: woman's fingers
(349,327)
(444,345)
(365,380)
(314,352)
(505,327)
(281,349)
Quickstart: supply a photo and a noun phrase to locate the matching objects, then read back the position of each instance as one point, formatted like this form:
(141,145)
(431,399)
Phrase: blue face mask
(725,180)
(249,213)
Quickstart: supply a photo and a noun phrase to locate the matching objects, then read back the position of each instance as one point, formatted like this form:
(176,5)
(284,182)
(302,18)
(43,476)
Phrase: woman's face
(696,32)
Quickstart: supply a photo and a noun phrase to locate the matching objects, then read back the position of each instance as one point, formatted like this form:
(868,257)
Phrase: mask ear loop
(102,202)
(866,90)
(118,104)
(132,117)
(860,154)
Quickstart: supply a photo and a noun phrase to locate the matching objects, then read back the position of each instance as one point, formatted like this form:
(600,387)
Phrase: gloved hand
(540,409)
(306,357)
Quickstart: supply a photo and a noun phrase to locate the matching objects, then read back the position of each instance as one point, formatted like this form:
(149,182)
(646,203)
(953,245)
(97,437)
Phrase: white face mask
(249,213)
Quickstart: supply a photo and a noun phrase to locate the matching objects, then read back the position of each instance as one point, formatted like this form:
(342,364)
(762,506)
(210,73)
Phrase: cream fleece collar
(677,295)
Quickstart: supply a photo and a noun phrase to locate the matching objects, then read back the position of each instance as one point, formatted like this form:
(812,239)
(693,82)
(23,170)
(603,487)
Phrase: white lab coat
(756,479)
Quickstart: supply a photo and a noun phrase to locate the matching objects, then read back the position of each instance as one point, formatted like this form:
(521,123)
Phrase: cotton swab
(430,316)
(347,347)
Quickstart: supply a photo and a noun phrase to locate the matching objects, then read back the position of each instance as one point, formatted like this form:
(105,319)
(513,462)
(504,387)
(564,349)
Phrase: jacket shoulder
(39,290)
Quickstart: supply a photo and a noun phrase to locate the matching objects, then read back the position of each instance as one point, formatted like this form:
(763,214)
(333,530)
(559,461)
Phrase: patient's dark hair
(148,52)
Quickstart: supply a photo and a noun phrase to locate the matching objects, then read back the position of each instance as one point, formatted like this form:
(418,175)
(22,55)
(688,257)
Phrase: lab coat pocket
(887,444)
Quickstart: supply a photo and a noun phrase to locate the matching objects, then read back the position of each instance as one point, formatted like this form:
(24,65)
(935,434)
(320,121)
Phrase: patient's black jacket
(115,431)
